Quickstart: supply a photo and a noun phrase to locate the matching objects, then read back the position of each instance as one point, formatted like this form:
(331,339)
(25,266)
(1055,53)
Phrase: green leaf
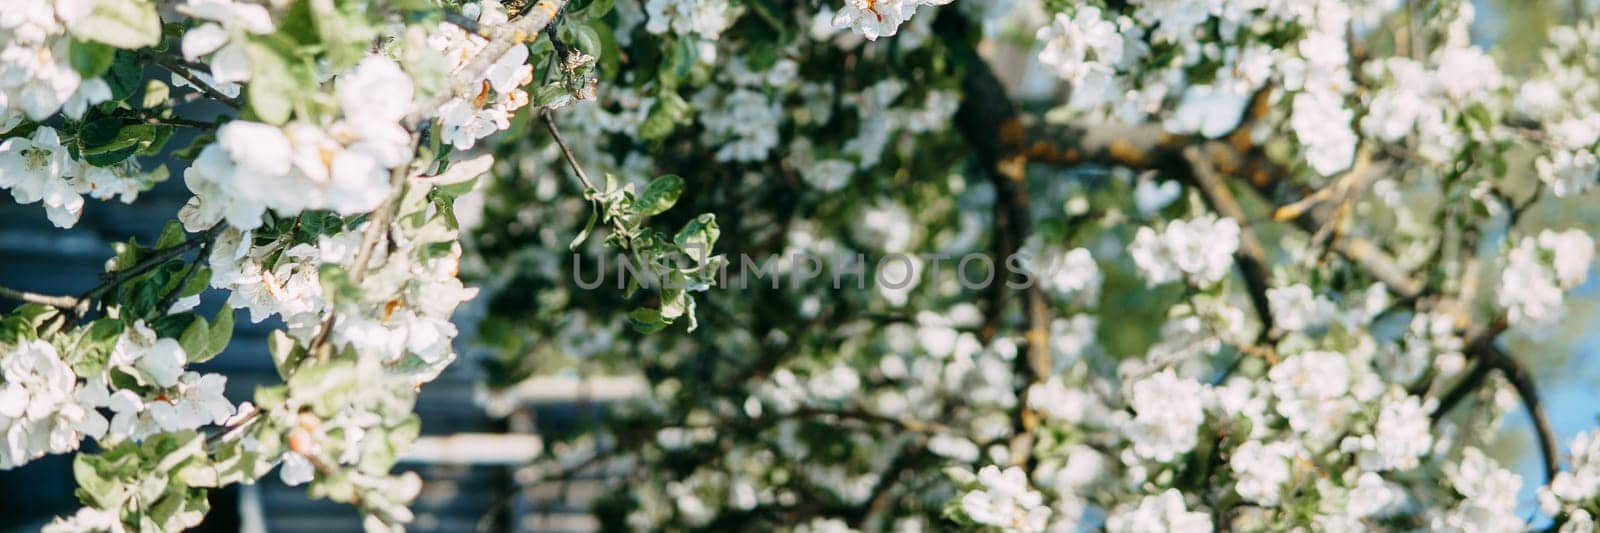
(196,340)
(91,59)
(121,23)
(595,9)
(549,94)
(125,74)
(94,487)
(109,140)
(673,300)
(669,111)
(646,320)
(282,348)
(588,40)
(699,236)
(688,312)
(588,227)
(172,326)
(221,333)
(95,347)
(172,234)
(273,84)
(608,57)
(660,195)
(200,142)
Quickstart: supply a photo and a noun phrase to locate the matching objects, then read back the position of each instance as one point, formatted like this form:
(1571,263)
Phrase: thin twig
(183,71)
(371,237)
(572,161)
(1490,356)
(67,303)
(237,427)
(173,295)
(116,278)
(179,122)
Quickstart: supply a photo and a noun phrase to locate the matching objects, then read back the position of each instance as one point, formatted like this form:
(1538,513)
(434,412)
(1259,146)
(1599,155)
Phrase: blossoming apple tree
(1267,253)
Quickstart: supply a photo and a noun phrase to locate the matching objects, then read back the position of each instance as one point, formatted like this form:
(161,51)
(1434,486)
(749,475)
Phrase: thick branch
(1251,257)
(1489,356)
(991,125)
(1146,147)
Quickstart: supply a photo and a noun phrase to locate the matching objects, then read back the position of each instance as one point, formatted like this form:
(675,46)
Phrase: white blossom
(1295,308)
(1312,390)
(1168,412)
(1262,470)
(1006,500)
(1160,513)
(1536,272)
(1071,274)
(1574,488)
(1488,496)
(878,18)
(40,411)
(225,35)
(151,360)
(1322,125)
(466,119)
(38,168)
(1199,249)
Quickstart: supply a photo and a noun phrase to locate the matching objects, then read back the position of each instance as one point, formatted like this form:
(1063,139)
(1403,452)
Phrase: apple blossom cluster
(300,166)
(1537,273)
(222,40)
(1072,275)
(1144,63)
(38,79)
(39,169)
(321,198)
(37,76)
(1488,496)
(1572,492)
(52,399)
(700,21)
(495,93)
(1562,98)
(878,18)
(1006,501)
(1198,250)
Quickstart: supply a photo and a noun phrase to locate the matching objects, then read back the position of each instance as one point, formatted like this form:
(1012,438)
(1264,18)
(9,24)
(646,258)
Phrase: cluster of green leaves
(156,485)
(677,265)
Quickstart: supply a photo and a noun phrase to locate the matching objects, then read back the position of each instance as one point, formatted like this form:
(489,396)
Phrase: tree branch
(1250,257)
(181,69)
(572,161)
(372,235)
(67,303)
(116,278)
(1490,356)
(992,127)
